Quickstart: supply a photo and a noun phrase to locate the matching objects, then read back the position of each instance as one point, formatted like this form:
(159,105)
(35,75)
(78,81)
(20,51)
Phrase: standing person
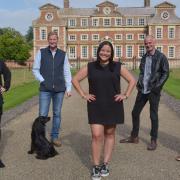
(154,71)
(104,103)
(5,72)
(52,69)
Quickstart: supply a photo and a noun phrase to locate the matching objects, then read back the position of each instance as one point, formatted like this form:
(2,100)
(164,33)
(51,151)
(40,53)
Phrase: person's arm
(6,76)
(36,67)
(67,75)
(131,83)
(82,74)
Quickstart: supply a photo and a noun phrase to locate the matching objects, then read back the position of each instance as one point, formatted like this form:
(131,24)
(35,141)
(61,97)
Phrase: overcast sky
(20,13)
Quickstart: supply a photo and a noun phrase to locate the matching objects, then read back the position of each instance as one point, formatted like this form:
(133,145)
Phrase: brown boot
(152,146)
(130,139)
(57,142)
(178,158)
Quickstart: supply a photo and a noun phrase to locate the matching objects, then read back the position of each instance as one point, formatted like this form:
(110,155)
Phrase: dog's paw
(41,157)
(30,152)
(1,164)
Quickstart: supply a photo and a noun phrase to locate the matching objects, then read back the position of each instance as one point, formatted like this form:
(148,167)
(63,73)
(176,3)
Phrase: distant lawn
(172,85)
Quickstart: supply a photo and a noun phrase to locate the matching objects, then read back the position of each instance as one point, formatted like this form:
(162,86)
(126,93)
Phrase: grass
(172,85)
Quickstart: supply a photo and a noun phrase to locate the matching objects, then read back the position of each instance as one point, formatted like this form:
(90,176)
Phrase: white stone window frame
(157,28)
(140,50)
(84,35)
(40,31)
(69,22)
(86,22)
(87,53)
(159,46)
(93,22)
(140,23)
(70,37)
(104,21)
(132,35)
(54,29)
(94,55)
(116,51)
(95,39)
(116,24)
(118,35)
(128,57)
(139,38)
(127,23)
(171,57)
(72,55)
(174,28)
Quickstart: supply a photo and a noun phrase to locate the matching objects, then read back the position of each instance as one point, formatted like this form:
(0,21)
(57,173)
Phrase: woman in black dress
(104,103)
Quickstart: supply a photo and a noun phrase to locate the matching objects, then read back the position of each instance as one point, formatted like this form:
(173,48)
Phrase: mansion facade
(80,30)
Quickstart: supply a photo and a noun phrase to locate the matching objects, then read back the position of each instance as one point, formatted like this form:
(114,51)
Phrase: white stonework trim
(174,27)
(86,52)
(65,38)
(69,52)
(159,27)
(130,35)
(56,29)
(40,32)
(132,51)
(174,51)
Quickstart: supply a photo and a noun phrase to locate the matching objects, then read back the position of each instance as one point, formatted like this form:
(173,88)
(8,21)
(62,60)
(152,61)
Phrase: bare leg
(97,131)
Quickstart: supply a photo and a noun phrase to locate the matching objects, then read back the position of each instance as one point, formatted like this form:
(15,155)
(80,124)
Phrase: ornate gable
(48,6)
(106,3)
(165,5)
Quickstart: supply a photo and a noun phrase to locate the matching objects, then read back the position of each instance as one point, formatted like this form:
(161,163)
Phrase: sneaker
(56,142)
(96,173)
(104,170)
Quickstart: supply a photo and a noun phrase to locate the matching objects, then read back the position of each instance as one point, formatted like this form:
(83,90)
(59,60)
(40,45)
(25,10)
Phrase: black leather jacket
(159,72)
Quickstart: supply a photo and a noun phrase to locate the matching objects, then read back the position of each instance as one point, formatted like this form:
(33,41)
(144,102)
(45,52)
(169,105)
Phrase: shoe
(96,175)
(57,142)
(1,164)
(178,158)
(130,139)
(152,146)
(104,170)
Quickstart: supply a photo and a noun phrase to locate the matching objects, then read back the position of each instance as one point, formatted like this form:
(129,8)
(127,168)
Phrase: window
(94,53)
(56,30)
(43,33)
(95,22)
(129,36)
(118,36)
(72,37)
(84,51)
(159,32)
(159,48)
(171,32)
(141,22)
(171,52)
(118,21)
(95,37)
(107,22)
(129,21)
(141,51)
(72,52)
(72,22)
(129,51)
(141,36)
(118,51)
(84,37)
(84,22)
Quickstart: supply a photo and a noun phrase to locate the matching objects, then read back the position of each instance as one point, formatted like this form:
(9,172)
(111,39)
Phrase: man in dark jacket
(154,71)
(5,72)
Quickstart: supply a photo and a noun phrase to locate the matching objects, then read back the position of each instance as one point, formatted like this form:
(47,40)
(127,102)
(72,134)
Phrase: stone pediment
(166,5)
(106,3)
(48,6)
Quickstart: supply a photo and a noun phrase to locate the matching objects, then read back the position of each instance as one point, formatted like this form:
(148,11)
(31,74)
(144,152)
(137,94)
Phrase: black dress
(104,84)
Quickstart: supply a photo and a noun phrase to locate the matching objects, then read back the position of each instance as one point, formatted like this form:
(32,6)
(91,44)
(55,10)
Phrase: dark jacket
(5,72)
(52,70)
(159,72)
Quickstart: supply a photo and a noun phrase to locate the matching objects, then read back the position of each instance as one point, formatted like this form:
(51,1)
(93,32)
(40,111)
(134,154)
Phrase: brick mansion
(80,30)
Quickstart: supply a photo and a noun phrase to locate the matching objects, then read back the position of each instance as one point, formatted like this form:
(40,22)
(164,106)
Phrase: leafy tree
(13,46)
(29,36)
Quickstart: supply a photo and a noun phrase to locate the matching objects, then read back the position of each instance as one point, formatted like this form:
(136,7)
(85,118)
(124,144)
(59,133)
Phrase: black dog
(1,164)
(39,144)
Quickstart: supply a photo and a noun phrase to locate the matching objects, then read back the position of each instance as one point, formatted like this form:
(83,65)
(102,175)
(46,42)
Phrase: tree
(29,36)
(13,46)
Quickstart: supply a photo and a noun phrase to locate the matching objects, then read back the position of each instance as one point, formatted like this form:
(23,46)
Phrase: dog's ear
(46,119)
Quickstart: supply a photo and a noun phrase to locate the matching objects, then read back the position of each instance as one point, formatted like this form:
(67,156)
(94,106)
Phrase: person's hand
(68,94)
(2,89)
(120,97)
(89,97)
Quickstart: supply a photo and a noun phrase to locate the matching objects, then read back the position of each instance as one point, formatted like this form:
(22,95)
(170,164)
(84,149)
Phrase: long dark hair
(111,62)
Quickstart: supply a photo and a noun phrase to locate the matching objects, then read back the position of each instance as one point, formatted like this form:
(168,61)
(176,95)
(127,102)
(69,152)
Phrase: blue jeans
(44,103)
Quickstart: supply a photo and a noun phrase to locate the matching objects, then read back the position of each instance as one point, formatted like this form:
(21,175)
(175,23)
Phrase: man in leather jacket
(154,71)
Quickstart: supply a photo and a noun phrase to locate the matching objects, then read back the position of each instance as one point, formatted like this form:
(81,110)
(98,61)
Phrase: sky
(19,14)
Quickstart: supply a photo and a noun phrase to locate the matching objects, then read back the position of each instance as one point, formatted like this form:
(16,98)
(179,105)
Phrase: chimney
(146,3)
(66,3)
